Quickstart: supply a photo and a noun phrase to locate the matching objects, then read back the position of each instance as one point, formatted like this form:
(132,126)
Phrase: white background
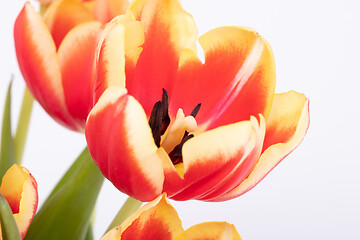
(315,192)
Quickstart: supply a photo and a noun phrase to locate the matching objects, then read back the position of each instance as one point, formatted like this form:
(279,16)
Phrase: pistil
(176,131)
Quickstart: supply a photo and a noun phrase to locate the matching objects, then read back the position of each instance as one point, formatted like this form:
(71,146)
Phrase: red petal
(211,156)
(236,81)
(20,190)
(121,143)
(241,171)
(77,59)
(286,127)
(63,15)
(168,30)
(156,220)
(38,62)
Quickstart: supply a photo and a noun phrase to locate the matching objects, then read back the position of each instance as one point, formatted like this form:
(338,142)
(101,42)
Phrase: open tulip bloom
(19,188)
(56,54)
(164,121)
(159,220)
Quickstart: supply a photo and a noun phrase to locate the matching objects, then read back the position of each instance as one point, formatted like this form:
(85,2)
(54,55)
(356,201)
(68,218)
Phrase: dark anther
(155,122)
(195,110)
(165,113)
(159,118)
(176,154)
(193,113)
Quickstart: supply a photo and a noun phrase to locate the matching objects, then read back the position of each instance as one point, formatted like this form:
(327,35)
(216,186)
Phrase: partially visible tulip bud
(19,188)
(159,220)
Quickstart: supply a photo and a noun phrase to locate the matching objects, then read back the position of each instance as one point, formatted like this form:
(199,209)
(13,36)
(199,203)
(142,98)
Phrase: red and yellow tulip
(159,220)
(56,55)
(165,121)
(19,188)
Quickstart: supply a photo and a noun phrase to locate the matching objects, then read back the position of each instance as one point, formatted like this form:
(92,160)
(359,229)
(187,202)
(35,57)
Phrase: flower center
(172,138)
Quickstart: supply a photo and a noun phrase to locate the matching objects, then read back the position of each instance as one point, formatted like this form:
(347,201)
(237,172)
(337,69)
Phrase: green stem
(129,207)
(23,125)
(43,9)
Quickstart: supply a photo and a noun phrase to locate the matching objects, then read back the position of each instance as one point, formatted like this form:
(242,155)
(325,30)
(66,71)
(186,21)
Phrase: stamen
(195,111)
(176,154)
(159,118)
(179,131)
(155,122)
(165,109)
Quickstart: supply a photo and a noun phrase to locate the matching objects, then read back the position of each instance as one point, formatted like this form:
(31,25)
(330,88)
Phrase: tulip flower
(165,121)
(19,188)
(56,55)
(159,220)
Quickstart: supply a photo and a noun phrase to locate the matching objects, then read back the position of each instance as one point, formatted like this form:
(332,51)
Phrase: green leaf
(66,213)
(9,228)
(89,234)
(7,154)
(23,125)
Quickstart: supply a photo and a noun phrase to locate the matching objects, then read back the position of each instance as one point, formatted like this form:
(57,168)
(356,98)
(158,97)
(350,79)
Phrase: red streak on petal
(153,228)
(155,70)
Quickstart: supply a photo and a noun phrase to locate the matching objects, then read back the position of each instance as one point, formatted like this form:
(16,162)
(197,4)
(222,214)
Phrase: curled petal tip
(285,129)
(19,188)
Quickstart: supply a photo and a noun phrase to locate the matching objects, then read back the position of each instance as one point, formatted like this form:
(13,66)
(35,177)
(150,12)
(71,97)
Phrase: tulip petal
(289,118)
(106,10)
(156,220)
(210,231)
(20,190)
(38,62)
(241,171)
(211,156)
(63,15)
(168,30)
(130,148)
(285,129)
(238,74)
(121,36)
(113,234)
(77,59)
